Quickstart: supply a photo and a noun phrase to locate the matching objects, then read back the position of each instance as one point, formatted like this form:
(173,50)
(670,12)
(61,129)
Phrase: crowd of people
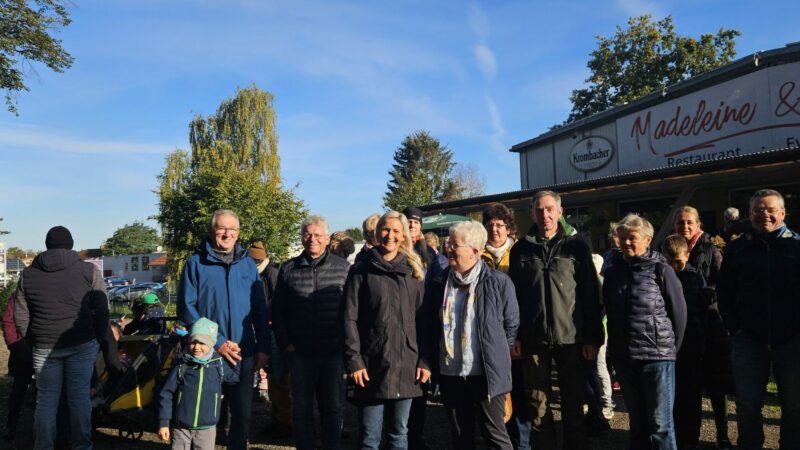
(485,321)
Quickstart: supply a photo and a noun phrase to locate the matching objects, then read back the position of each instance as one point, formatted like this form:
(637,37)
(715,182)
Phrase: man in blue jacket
(220,282)
(759,298)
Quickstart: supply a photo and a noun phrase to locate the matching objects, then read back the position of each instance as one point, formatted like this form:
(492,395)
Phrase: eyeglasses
(453,245)
(309,236)
(762,210)
(222,230)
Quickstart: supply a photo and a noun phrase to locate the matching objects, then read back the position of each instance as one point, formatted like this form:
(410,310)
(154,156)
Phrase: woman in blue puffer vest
(646,321)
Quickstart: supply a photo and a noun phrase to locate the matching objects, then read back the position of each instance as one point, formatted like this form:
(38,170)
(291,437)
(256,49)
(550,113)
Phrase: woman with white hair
(646,320)
(476,320)
(384,339)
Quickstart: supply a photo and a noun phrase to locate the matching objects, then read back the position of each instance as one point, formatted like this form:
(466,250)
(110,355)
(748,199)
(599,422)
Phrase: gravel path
(436,431)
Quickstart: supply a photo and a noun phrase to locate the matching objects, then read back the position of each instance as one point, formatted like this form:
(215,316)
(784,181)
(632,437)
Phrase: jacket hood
(56,259)
(207,250)
(398,264)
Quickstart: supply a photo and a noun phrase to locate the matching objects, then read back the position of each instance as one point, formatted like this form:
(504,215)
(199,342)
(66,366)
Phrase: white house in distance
(141,267)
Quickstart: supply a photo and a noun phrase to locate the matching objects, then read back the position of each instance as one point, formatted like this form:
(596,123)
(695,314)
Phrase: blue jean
(371,418)
(648,388)
(70,367)
(751,367)
(320,376)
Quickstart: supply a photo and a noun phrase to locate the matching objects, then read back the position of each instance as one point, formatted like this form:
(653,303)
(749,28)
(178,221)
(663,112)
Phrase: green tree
(16,252)
(646,57)
(355,233)
(215,175)
(26,28)
(420,174)
(132,239)
(241,135)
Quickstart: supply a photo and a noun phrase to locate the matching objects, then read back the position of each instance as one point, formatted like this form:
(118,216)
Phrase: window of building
(134,263)
(145,263)
(126,267)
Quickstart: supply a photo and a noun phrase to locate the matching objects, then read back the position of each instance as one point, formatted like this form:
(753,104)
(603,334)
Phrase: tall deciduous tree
(420,174)
(26,28)
(132,239)
(646,57)
(467,182)
(227,170)
(241,134)
(355,233)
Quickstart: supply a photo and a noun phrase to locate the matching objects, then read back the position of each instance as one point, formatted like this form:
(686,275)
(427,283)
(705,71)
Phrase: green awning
(441,221)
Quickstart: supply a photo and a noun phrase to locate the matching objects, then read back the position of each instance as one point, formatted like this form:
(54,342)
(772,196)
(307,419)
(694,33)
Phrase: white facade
(757,111)
(134,267)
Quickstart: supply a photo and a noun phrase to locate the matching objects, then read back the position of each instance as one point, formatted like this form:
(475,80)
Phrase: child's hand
(163,433)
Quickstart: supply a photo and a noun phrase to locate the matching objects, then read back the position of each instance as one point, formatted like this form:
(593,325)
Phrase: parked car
(116,281)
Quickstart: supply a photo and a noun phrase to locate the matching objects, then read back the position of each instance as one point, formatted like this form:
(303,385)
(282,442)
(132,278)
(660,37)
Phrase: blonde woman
(383,339)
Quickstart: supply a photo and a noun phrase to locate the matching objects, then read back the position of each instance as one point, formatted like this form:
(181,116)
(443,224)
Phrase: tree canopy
(355,233)
(26,35)
(420,174)
(646,57)
(17,252)
(226,170)
(467,182)
(132,239)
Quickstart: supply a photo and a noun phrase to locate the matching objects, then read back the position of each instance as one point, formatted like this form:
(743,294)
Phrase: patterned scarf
(455,282)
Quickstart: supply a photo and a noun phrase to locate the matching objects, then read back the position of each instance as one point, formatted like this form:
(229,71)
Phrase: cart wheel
(131,430)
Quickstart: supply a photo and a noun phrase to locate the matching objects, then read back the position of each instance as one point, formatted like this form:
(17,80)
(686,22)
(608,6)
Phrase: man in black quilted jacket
(308,328)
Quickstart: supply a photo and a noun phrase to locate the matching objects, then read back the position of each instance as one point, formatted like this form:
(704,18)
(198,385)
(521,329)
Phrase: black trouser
(688,408)
(416,419)
(466,399)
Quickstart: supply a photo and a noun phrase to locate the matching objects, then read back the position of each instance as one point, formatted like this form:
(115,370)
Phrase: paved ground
(436,431)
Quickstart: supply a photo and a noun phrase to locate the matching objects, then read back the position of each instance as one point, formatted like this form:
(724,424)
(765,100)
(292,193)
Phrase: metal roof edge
(766,156)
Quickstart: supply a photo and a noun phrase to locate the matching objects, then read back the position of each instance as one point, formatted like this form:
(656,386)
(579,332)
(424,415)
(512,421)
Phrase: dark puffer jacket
(497,319)
(557,290)
(759,286)
(308,298)
(645,306)
(383,327)
(697,299)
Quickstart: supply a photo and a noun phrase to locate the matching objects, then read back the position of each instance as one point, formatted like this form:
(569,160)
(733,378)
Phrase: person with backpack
(646,321)
(191,396)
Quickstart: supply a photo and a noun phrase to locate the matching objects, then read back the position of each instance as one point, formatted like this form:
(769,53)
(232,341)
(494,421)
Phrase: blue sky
(350,80)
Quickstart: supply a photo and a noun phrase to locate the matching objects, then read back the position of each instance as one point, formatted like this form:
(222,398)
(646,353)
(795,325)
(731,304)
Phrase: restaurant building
(708,142)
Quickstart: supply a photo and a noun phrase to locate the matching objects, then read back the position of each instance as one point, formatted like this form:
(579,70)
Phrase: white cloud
(29,137)
(486,61)
(478,22)
(498,131)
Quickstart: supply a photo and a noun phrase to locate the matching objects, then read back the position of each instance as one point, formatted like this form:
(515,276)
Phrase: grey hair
(731,213)
(541,194)
(221,212)
(313,220)
(635,222)
(761,193)
(472,232)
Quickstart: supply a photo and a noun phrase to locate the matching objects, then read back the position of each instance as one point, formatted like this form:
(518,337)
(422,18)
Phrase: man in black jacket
(308,330)
(558,294)
(62,311)
(759,298)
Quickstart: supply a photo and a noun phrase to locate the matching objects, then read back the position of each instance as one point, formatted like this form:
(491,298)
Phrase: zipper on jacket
(199,396)
(216,403)
(480,344)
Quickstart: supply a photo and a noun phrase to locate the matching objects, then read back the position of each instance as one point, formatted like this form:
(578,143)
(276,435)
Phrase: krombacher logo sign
(591,153)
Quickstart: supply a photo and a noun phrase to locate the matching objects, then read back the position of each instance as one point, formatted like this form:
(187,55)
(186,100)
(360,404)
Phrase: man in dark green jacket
(560,318)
